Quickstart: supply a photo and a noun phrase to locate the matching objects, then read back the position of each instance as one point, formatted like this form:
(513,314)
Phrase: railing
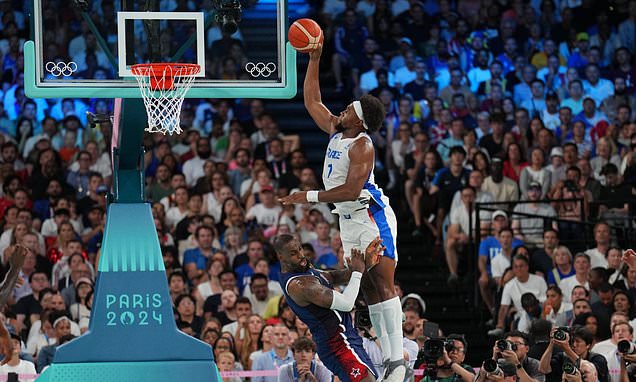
(623,228)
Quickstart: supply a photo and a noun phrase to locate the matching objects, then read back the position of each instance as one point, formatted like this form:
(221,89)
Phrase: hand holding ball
(305,35)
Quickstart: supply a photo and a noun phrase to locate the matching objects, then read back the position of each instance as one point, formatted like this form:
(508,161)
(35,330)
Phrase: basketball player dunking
(363,209)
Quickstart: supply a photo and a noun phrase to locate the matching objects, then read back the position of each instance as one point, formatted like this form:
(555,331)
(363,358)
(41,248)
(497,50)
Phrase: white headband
(63,318)
(358,109)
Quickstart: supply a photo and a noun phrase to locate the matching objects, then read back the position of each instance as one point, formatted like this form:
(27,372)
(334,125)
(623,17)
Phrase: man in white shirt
(596,87)
(193,168)
(480,72)
(603,241)
(267,211)
(523,282)
(620,331)
(407,73)
(369,80)
(259,292)
(17,365)
(581,276)
(459,229)
(501,262)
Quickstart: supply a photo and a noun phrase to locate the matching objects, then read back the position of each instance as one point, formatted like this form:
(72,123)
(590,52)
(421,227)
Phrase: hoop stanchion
(163,87)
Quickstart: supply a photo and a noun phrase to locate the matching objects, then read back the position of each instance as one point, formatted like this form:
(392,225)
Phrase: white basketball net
(162,99)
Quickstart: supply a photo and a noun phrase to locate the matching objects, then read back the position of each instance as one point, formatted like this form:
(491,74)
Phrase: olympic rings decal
(61,68)
(260,69)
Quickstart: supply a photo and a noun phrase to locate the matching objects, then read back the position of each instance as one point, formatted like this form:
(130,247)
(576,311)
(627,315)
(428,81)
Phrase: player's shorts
(345,357)
(359,228)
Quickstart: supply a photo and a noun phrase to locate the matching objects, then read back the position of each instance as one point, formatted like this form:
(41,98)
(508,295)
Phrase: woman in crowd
(515,162)
(252,332)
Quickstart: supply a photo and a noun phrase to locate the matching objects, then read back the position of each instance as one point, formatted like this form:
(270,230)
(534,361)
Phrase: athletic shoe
(397,371)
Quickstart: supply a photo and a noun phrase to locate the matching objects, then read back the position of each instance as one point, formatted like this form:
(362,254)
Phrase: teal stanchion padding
(132,334)
(130,372)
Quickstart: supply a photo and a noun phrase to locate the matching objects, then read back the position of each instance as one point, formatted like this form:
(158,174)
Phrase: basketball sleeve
(344,301)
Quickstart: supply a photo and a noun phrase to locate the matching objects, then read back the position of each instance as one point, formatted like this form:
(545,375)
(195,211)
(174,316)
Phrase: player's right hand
(374,252)
(356,261)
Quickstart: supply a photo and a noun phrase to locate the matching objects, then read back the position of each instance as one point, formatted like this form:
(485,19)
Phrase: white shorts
(360,228)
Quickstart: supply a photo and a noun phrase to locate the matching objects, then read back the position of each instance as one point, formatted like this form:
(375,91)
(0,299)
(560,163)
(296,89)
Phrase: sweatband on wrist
(312,196)
(344,301)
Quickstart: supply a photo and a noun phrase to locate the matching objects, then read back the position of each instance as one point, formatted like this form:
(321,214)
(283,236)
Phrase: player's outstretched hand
(374,252)
(629,258)
(356,261)
(295,198)
(17,255)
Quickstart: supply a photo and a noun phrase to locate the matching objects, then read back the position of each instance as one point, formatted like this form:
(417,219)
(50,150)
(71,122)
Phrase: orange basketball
(305,35)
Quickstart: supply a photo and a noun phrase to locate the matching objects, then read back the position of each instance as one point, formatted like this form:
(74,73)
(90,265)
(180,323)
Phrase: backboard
(85,48)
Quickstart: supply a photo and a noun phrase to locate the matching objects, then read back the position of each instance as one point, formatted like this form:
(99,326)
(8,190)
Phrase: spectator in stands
(543,258)
(460,229)
(280,355)
(522,282)
(12,364)
(581,276)
(447,181)
(493,142)
(527,228)
(620,331)
(602,239)
(304,366)
(563,267)
(195,259)
(502,188)
(535,173)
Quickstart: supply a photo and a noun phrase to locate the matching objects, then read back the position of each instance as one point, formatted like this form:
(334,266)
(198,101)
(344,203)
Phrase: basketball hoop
(163,87)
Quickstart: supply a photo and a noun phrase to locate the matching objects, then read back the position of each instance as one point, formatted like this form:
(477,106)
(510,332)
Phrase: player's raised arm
(17,254)
(313,101)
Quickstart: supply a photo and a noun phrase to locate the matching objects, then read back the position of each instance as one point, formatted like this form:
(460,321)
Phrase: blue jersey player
(311,296)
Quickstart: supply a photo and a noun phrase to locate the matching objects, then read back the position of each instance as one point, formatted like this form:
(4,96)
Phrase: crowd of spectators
(528,104)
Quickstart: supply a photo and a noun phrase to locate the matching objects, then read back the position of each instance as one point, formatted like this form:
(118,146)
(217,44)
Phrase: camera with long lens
(430,353)
(492,367)
(228,15)
(561,333)
(503,345)
(569,367)
(626,347)
(362,318)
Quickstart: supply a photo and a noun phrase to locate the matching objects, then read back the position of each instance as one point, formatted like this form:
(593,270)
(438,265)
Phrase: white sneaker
(397,372)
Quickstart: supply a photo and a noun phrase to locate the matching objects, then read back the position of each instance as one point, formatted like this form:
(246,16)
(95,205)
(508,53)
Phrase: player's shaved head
(281,243)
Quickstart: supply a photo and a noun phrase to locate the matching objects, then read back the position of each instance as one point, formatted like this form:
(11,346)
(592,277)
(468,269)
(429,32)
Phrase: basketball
(305,35)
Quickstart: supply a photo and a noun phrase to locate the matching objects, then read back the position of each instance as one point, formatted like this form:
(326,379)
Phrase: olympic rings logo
(61,68)
(260,69)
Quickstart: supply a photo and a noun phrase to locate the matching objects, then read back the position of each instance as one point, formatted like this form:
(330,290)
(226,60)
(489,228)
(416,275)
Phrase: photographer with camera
(621,330)
(514,348)
(585,373)
(443,360)
(574,345)
(497,371)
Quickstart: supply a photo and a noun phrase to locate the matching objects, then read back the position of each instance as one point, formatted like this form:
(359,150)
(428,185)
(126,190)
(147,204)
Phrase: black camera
(228,15)
(362,318)
(432,351)
(504,345)
(569,367)
(561,333)
(626,347)
(492,367)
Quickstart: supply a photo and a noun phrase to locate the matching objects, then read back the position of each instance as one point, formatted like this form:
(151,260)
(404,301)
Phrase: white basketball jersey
(336,168)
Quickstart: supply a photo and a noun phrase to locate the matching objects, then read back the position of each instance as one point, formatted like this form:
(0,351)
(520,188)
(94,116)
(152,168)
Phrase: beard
(340,128)
(204,154)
